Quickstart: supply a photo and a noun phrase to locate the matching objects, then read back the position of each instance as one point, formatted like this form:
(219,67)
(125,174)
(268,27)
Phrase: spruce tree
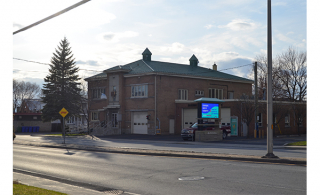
(61,88)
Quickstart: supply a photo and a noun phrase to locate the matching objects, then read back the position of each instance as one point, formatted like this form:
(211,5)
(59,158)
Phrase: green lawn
(301,143)
(20,189)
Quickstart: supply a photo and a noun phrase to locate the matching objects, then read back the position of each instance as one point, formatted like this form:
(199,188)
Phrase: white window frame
(139,91)
(216,93)
(287,120)
(183,94)
(94,116)
(96,93)
(199,93)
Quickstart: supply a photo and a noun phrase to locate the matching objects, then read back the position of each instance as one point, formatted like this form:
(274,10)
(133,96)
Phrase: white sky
(105,33)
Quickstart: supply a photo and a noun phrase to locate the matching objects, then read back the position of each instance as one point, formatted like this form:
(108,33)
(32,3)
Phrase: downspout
(155,104)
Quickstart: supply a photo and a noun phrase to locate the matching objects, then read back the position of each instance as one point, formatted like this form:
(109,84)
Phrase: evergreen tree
(61,88)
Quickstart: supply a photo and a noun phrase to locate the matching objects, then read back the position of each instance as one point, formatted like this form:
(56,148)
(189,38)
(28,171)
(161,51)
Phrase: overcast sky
(105,33)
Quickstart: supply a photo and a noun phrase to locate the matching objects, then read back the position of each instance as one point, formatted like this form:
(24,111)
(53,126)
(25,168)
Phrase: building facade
(146,95)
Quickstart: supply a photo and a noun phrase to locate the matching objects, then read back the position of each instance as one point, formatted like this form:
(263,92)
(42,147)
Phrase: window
(96,93)
(287,120)
(94,116)
(199,93)
(114,120)
(139,91)
(230,94)
(216,93)
(71,120)
(259,119)
(183,94)
(35,117)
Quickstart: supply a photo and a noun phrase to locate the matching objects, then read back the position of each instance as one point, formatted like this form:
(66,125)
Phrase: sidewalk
(240,149)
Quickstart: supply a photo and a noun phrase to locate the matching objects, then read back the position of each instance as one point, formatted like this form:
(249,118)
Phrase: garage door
(140,123)
(225,116)
(189,117)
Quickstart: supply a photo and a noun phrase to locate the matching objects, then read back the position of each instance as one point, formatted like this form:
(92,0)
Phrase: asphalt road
(238,146)
(139,174)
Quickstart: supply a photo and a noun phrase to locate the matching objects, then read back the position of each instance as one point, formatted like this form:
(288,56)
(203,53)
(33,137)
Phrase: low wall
(44,127)
(212,135)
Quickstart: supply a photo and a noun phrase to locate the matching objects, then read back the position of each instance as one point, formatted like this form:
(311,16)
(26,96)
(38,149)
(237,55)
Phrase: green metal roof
(193,58)
(147,51)
(142,67)
(209,100)
(98,76)
(148,67)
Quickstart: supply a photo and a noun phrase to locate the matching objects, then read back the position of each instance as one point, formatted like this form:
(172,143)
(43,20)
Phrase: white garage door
(225,116)
(189,117)
(140,123)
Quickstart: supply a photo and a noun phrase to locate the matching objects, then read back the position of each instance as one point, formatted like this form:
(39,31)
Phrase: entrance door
(189,117)
(140,123)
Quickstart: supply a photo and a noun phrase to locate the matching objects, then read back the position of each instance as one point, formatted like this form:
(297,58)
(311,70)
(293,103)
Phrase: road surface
(139,174)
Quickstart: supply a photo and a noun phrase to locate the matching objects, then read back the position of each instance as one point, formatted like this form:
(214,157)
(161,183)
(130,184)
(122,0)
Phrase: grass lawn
(301,143)
(20,189)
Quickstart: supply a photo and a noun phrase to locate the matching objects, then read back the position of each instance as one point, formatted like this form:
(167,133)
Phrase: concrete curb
(136,151)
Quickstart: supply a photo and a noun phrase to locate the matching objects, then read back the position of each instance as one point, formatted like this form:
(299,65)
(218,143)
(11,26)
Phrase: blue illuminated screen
(209,110)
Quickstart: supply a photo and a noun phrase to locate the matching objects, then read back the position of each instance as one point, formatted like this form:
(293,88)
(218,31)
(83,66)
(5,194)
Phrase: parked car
(189,133)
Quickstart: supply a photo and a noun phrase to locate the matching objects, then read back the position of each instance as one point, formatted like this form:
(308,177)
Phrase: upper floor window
(139,91)
(94,116)
(287,120)
(230,94)
(96,93)
(216,93)
(199,93)
(183,94)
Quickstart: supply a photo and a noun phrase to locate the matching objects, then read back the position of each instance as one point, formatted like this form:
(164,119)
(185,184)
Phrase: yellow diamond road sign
(63,112)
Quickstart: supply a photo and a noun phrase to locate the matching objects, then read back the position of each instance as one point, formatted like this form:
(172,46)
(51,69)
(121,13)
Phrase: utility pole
(269,90)
(256,97)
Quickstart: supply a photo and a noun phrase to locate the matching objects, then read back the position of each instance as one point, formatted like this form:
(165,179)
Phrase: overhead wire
(51,64)
(52,16)
(133,68)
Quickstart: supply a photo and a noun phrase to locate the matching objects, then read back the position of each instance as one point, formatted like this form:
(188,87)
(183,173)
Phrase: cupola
(193,61)
(146,55)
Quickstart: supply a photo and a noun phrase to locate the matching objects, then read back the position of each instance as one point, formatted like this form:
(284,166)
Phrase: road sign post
(63,112)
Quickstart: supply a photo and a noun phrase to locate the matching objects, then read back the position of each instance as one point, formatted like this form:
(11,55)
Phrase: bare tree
(289,75)
(22,91)
(293,74)
(245,107)
(262,71)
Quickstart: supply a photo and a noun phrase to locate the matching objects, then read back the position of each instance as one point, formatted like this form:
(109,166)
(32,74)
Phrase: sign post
(63,112)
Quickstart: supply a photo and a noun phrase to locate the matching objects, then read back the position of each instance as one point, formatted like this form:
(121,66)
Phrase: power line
(51,64)
(52,16)
(102,71)
(236,67)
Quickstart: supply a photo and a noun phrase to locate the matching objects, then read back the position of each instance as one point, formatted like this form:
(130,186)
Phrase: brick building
(145,95)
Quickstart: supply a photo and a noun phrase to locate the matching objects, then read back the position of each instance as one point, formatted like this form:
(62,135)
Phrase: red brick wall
(167,93)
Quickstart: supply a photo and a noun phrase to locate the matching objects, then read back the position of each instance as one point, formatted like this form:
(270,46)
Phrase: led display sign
(209,110)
